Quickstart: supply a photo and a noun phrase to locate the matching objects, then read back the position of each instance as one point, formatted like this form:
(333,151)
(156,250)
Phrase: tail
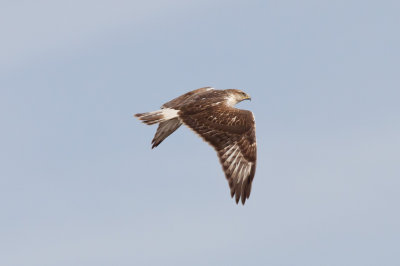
(159,116)
(168,122)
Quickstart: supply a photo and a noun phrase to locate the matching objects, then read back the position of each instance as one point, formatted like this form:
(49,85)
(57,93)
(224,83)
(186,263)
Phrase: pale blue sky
(79,184)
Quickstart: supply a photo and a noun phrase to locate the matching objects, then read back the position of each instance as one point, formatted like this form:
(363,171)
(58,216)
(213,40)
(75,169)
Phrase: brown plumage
(231,131)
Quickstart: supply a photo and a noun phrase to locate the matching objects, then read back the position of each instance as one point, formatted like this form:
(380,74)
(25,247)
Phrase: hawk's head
(235,96)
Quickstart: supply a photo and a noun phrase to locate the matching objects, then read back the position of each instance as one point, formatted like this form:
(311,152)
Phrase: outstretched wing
(231,132)
(168,127)
(178,101)
(165,129)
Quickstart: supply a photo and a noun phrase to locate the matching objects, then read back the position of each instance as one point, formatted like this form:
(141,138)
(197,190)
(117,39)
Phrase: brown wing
(166,128)
(175,103)
(231,132)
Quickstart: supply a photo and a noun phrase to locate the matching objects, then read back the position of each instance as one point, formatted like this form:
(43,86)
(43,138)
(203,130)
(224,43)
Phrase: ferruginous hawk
(211,114)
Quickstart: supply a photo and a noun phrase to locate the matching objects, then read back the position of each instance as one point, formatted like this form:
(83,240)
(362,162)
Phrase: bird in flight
(211,114)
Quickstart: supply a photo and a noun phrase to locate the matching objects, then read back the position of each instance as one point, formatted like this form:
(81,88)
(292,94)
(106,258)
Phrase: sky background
(79,184)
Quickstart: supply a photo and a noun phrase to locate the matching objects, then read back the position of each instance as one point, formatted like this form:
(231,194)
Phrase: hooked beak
(248,98)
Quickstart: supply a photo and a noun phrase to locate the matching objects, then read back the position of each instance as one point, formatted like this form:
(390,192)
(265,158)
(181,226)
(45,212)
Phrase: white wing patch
(235,164)
(232,154)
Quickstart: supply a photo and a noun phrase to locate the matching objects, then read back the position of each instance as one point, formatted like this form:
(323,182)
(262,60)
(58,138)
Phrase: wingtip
(241,198)
(154,144)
